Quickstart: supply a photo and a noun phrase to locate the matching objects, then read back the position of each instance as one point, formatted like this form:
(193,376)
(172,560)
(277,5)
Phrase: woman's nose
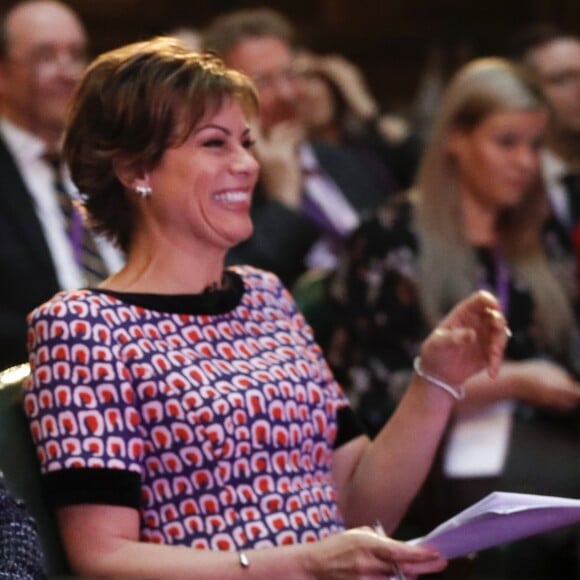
(528,157)
(245,162)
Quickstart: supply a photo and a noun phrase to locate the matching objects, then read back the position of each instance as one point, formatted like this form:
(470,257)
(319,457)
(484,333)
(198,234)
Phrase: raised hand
(471,338)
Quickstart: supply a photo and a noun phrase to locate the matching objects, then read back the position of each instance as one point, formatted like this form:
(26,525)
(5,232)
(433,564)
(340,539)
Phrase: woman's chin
(238,235)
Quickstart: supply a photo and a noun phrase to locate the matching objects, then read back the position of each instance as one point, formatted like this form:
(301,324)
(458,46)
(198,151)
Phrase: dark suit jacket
(26,268)
(282,237)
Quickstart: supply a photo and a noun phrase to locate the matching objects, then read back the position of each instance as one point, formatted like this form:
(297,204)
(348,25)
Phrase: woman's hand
(541,383)
(363,553)
(471,338)
(351,83)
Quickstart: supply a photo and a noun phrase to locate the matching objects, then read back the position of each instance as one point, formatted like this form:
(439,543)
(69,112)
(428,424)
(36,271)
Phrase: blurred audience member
(190,37)
(42,53)
(311,195)
(554,55)
(464,226)
(337,106)
(473,220)
(21,556)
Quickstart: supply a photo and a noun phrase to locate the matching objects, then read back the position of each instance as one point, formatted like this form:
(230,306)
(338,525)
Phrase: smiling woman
(185,404)
(203,188)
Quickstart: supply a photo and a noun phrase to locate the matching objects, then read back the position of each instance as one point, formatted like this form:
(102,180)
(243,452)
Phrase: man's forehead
(42,24)
(259,55)
(556,54)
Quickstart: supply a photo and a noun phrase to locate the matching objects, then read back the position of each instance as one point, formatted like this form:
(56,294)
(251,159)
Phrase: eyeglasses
(46,61)
(563,79)
(274,79)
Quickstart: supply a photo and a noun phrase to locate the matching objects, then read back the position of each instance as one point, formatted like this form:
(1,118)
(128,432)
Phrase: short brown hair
(229,29)
(132,104)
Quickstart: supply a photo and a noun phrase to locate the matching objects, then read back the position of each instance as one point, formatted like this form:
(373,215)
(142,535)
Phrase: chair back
(309,292)
(20,467)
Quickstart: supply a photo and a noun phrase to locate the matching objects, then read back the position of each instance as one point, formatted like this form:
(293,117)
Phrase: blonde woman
(473,220)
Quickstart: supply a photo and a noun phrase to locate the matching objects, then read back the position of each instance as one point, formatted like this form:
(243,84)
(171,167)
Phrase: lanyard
(502,280)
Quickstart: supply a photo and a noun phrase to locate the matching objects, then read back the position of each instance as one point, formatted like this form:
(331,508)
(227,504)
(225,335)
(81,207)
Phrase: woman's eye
(507,140)
(248,143)
(213,143)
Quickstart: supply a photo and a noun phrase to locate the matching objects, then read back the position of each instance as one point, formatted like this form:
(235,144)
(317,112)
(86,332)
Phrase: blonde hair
(447,263)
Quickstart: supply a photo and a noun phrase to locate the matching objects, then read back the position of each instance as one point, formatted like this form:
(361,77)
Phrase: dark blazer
(26,268)
(282,237)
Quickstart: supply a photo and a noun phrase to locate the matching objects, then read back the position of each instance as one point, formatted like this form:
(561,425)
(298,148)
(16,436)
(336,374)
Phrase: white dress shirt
(553,170)
(38,176)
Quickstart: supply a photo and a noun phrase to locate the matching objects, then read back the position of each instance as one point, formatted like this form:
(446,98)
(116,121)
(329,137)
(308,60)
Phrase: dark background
(389,39)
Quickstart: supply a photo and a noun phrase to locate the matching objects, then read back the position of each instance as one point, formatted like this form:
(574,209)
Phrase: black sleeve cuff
(85,485)
(349,427)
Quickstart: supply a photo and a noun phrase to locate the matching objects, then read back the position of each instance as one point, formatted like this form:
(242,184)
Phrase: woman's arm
(540,383)
(380,478)
(103,541)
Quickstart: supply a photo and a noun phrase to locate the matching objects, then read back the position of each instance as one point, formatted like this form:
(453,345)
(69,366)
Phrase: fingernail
(493,312)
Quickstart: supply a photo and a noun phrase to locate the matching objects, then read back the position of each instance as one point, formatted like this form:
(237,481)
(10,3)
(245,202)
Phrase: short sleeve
(79,398)
(348,426)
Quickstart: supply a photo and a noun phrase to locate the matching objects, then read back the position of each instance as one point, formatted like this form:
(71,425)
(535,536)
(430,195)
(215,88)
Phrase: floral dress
(378,322)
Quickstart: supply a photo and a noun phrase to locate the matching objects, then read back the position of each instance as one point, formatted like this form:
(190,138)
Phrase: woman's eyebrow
(221,128)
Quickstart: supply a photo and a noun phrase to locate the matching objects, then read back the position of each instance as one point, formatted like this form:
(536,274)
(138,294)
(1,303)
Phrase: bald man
(43,48)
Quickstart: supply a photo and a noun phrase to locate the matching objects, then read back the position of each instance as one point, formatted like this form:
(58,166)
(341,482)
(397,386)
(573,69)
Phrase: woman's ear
(129,175)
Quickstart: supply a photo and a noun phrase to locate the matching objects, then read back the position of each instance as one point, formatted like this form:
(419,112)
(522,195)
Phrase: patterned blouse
(378,325)
(214,415)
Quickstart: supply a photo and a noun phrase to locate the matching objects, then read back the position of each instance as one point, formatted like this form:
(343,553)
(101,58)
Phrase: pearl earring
(143,190)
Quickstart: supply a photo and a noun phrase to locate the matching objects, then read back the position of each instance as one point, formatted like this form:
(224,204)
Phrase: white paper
(498,518)
(478,443)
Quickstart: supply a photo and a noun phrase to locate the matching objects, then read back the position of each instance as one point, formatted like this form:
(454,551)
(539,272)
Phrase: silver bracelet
(457,394)
(244,562)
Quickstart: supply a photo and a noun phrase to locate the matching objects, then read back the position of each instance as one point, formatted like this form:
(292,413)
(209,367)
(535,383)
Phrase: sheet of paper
(498,518)
(478,443)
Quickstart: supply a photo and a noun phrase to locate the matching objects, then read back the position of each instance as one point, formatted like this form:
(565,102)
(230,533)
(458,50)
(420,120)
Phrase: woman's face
(498,159)
(203,188)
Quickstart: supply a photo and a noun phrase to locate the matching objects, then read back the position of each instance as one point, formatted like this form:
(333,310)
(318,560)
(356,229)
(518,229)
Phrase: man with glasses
(555,58)
(310,196)
(42,54)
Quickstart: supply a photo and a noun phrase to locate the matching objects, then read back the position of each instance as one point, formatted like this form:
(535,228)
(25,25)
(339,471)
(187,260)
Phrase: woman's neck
(170,270)
(480,221)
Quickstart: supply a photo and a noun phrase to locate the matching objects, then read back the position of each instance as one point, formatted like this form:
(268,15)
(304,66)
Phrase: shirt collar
(307,157)
(23,145)
(553,167)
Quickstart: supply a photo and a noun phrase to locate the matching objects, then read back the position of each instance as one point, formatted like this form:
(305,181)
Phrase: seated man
(43,244)
(310,196)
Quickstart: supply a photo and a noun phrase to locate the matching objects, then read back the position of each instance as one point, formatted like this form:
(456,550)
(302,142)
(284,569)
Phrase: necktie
(85,249)
(571,182)
(325,204)
(312,203)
